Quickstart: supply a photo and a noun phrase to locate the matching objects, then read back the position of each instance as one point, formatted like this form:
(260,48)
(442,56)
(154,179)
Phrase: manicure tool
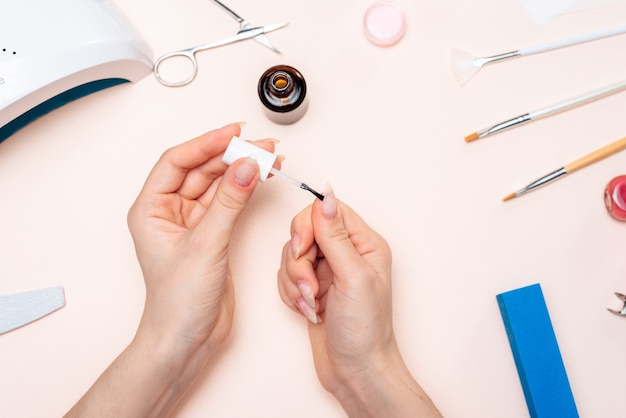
(189,54)
(296,183)
(549,110)
(536,352)
(245,25)
(465,65)
(583,162)
(19,309)
(55,52)
(621,312)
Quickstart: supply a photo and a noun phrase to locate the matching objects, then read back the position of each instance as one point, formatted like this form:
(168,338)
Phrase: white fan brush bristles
(464,65)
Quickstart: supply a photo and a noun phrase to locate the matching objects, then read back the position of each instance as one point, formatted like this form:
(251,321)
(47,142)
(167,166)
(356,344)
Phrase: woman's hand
(181,224)
(336,271)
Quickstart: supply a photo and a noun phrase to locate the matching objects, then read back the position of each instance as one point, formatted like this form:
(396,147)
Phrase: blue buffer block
(536,353)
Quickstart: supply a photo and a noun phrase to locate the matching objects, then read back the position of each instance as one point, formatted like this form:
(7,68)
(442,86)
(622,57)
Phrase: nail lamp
(56,51)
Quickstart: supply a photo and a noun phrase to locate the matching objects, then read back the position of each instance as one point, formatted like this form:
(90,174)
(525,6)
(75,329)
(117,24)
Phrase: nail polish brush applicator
(238,148)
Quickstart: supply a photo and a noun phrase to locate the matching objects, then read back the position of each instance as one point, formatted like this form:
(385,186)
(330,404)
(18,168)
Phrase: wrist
(147,379)
(179,336)
(383,390)
(162,369)
(176,361)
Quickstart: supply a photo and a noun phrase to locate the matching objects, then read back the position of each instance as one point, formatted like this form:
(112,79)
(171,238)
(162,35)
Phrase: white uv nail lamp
(56,51)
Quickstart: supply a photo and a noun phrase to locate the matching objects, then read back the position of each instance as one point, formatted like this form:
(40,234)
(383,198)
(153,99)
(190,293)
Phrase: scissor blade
(244,25)
(19,309)
(262,39)
(272,28)
(252,33)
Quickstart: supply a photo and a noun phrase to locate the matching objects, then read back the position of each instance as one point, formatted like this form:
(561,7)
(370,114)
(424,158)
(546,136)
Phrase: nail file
(536,352)
(19,309)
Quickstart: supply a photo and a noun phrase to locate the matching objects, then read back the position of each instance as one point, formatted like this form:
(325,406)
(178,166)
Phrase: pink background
(385,127)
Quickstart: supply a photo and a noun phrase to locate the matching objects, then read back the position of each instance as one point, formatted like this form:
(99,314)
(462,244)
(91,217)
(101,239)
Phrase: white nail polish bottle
(238,148)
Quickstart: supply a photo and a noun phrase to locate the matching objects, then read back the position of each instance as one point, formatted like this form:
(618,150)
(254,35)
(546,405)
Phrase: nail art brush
(465,65)
(583,162)
(563,106)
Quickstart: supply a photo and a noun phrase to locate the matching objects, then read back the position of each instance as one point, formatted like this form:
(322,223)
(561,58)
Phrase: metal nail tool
(189,54)
(623,299)
(245,25)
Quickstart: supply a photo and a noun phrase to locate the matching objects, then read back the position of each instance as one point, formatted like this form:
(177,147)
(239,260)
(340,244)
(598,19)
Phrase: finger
(297,281)
(372,247)
(286,289)
(335,239)
(325,278)
(231,196)
(199,180)
(302,238)
(289,279)
(302,246)
(170,172)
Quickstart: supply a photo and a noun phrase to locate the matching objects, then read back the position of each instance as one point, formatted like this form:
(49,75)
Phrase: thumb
(334,238)
(232,194)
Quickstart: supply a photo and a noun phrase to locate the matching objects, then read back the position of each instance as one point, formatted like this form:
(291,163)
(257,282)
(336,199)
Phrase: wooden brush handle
(596,156)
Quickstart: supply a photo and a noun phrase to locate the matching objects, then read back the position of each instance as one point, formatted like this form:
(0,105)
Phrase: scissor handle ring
(187,54)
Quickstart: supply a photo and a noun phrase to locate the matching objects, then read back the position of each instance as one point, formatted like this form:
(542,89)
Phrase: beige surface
(385,127)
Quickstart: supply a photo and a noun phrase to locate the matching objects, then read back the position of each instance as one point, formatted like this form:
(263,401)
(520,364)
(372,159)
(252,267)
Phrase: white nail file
(19,309)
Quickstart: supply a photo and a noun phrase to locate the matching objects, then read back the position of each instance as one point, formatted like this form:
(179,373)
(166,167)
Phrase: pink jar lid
(384,23)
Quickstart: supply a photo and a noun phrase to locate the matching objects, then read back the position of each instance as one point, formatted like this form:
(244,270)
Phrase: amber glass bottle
(282,91)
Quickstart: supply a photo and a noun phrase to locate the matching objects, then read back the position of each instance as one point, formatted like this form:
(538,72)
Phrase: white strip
(542,11)
(579,100)
(588,37)
(19,309)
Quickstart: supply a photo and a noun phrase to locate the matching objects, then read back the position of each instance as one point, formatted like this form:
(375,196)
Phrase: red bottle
(615,198)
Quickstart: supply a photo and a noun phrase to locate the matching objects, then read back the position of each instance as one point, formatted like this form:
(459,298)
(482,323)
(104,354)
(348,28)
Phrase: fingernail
(329,204)
(295,245)
(307,311)
(245,172)
(272,140)
(307,292)
(281,158)
(242,124)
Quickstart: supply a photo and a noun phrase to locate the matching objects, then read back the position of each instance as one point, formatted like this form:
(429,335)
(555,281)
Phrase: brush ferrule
(480,61)
(542,181)
(504,125)
(308,189)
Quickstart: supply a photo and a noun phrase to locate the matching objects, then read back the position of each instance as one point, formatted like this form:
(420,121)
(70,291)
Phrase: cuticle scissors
(190,53)
(245,25)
